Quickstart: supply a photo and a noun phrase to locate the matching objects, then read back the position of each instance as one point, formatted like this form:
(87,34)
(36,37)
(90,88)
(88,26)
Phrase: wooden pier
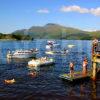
(91,74)
(76,76)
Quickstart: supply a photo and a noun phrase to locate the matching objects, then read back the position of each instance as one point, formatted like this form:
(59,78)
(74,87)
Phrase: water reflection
(9,60)
(17,60)
(82,90)
(93,91)
(31,68)
(71,92)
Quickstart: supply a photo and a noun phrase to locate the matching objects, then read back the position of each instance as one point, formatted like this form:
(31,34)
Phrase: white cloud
(43,11)
(75,8)
(95,12)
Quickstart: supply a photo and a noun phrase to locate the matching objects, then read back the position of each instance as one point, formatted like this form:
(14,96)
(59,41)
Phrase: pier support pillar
(94,71)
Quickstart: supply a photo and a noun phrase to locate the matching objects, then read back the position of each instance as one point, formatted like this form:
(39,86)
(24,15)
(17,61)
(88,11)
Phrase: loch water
(47,81)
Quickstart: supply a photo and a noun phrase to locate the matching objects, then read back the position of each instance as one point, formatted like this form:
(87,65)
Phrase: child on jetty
(71,65)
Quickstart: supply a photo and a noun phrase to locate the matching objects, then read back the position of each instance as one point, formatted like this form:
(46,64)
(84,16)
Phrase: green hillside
(52,31)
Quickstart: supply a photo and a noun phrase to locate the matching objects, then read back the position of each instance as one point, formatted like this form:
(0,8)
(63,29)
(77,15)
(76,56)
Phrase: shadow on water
(76,82)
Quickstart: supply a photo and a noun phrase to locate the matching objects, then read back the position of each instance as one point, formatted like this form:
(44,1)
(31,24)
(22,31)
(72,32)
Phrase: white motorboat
(40,62)
(22,53)
(48,47)
(52,43)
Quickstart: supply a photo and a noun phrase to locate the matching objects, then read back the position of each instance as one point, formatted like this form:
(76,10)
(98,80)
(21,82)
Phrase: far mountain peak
(56,31)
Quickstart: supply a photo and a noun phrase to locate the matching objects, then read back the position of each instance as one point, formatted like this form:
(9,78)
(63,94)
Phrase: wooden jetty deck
(77,76)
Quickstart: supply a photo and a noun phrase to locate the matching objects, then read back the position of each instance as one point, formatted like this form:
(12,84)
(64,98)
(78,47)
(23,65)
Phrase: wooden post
(92,49)
(94,71)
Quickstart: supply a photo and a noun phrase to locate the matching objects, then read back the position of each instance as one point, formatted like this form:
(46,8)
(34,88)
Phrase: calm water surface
(47,80)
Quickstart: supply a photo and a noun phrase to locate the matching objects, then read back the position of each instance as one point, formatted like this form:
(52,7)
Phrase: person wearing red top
(84,65)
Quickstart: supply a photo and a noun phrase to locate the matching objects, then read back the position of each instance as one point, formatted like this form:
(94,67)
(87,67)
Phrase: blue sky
(22,14)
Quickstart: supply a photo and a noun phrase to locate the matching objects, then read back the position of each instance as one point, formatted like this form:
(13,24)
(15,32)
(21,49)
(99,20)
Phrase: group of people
(84,65)
(42,59)
(85,61)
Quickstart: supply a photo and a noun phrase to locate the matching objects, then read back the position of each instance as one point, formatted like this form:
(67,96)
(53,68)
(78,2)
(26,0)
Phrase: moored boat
(22,53)
(40,62)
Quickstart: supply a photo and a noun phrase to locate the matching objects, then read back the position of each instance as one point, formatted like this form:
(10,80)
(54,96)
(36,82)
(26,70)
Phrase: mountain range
(56,31)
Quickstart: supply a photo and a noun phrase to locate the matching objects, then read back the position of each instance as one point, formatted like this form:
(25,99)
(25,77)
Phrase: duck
(9,81)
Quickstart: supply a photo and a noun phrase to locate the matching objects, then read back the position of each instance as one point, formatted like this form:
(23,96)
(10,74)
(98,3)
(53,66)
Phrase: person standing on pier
(95,44)
(95,41)
(85,64)
(71,65)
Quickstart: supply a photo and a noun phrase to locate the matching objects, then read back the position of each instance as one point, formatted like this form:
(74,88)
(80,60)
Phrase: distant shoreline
(40,39)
